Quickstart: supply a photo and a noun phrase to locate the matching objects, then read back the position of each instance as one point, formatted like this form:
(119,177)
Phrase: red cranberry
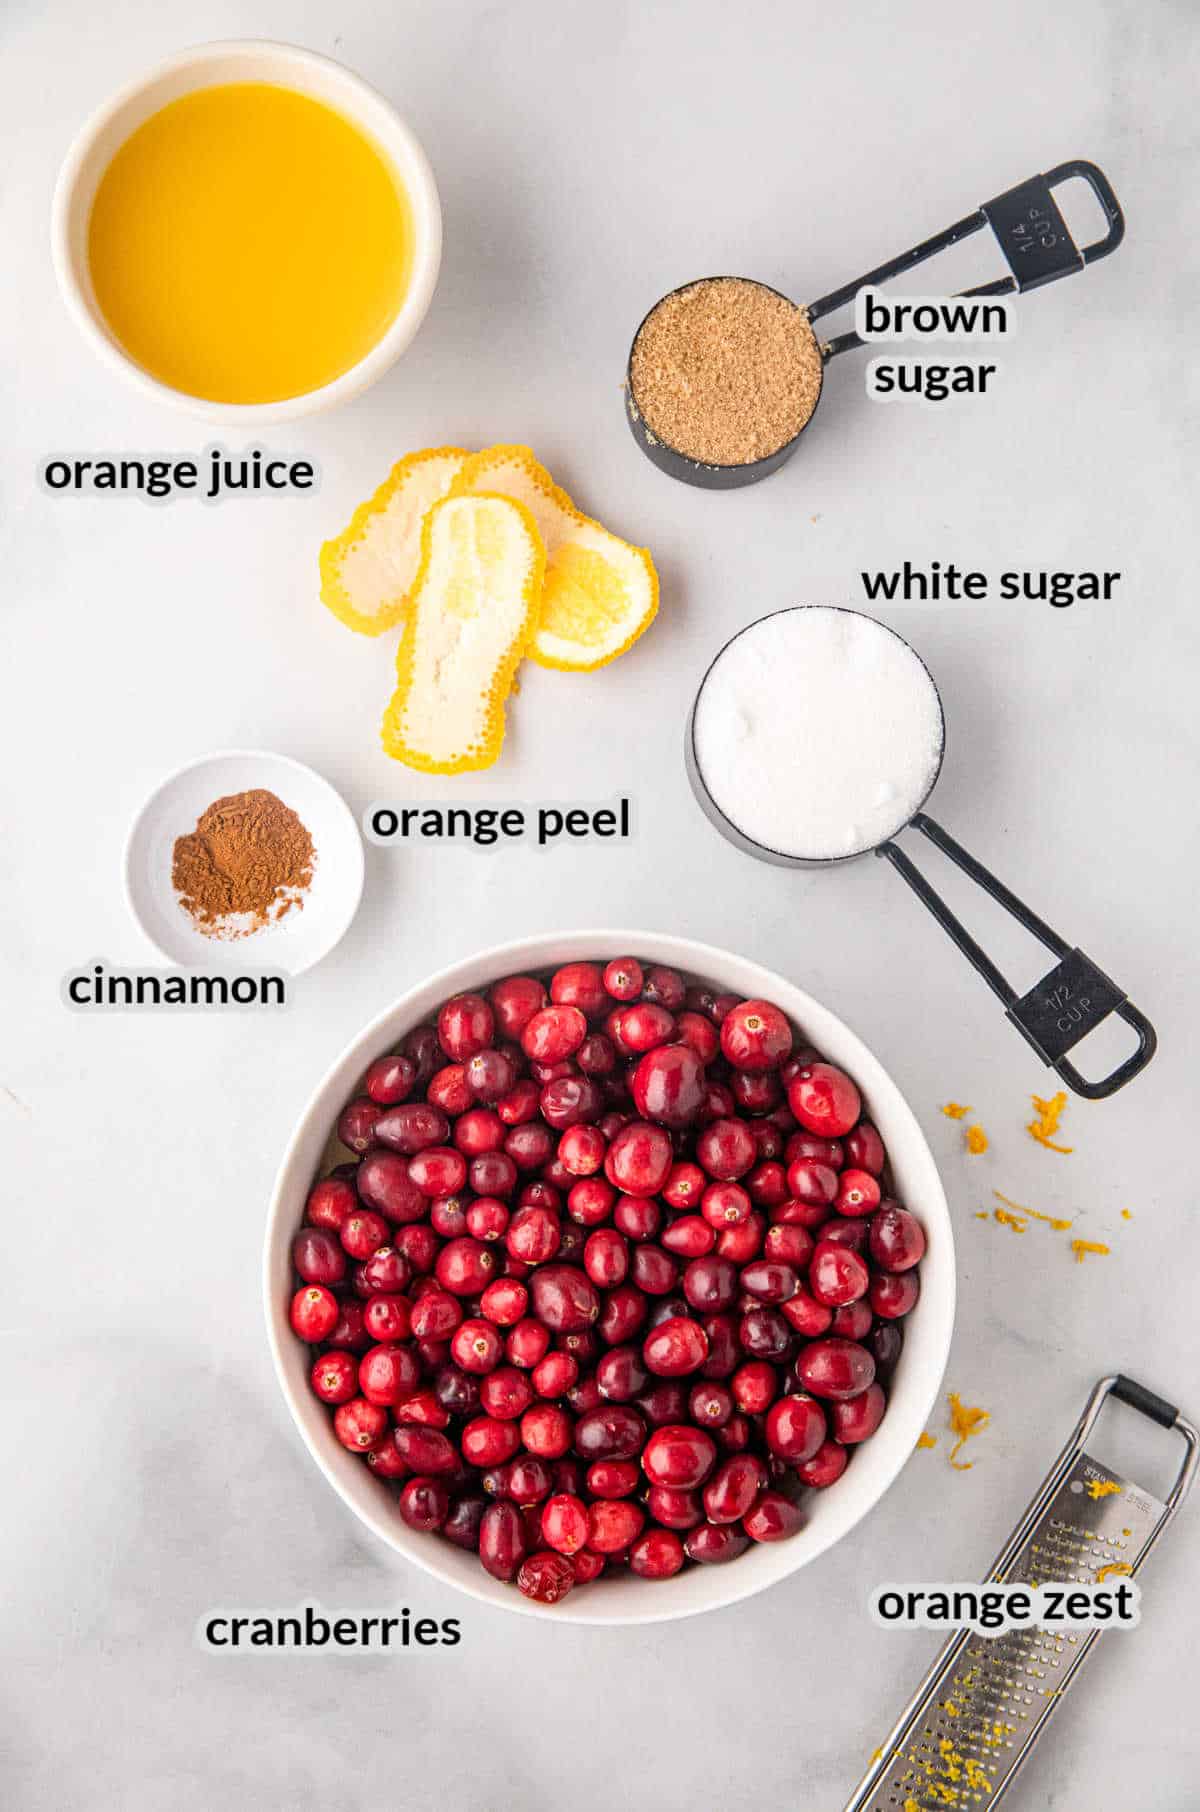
(581,1150)
(384,1183)
(645,1026)
(668,1084)
(533,1235)
(357,1123)
(502,1544)
(424,1503)
(387,1374)
(639,1159)
(334,1377)
(734,1435)
(613,1432)
(725,1205)
(788,1245)
(858,1419)
(754,1386)
(896,1239)
(514,1003)
(318,1256)
(852,1321)
(565,1523)
(564,1298)
(571,1101)
(623,978)
(463,1522)
(546,1430)
(773,1518)
(438,1171)
(546,1577)
(893,1294)
(713,1543)
(597,1055)
(689,1237)
(726,1149)
(360,1425)
(385,1462)
(807,1146)
(710,1283)
(487,1218)
(387,1271)
(612,1525)
(476,1347)
(769,1281)
(658,1554)
(456,1391)
(697,1031)
(710,1405)
(679,1456)
(419,1246)
(624,1312)
(824,1100)
(795,1427)
(448,1089)
(810,1181)
(858,1193)
(743,1242)
(766,1184)
(411,1128)
(527,1344)
(330,1203)
(386,1318)
(755,1093)
(836,1274)
(435,1315)
(520,1105)
(850,1233)
(734,1486)
(579,985)
(638,1217)
(674,1508)
(421,1047)
(505,1393)
(826,1466)
(530,1146)
(504,1301)
(887,1343)
(490,1075)
(865,1150)
(425,1449)
(489,1441)
(554,1033)
(835,1368)
(606,1258)
(390,1079)
(422,1409)
(465,1267)
(684,1185)
(314,1313)
(448,1217)
(654,1271)
(665,987)
(755,1036)
(351,1329)
(675,1348)
(478,1132)
(465,1025)
(590,1201)
(613,1478)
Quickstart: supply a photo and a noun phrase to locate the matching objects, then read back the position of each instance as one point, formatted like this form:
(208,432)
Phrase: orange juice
(248,244)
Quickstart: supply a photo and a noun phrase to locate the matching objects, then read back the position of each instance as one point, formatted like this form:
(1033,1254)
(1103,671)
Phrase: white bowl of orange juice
(249,232)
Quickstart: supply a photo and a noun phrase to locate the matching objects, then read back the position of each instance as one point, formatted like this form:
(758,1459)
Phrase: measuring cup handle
(1029,228)
(1062,1008)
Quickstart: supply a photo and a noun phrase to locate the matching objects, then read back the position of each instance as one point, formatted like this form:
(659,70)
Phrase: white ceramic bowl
(202,66)
(291,944)
(831,1513)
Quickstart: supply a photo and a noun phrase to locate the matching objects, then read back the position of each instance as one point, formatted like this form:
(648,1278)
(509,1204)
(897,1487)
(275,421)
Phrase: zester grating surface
(992,1696)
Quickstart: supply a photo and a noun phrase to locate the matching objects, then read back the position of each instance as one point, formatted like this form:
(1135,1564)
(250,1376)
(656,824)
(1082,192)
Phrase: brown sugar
(725,371)
(247,863)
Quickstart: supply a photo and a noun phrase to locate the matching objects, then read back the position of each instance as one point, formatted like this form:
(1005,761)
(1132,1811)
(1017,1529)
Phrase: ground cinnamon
(247,863)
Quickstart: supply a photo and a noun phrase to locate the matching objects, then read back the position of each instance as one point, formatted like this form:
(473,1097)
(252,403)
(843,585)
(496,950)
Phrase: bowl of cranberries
(609,1277)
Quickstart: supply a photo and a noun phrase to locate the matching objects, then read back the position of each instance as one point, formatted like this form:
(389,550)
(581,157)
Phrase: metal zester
(963,1737)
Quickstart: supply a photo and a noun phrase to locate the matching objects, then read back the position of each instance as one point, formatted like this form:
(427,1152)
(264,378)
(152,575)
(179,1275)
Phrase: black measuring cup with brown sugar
(1037,246)
(1054,1015)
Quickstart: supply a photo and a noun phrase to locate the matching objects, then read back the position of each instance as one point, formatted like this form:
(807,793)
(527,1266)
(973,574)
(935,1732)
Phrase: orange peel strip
(473,611)
(600,593)
(368,571)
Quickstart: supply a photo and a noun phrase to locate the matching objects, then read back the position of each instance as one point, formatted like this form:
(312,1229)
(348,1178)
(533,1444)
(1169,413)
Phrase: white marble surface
(591,157)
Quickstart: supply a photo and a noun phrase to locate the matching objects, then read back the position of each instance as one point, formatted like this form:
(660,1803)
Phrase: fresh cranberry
(826,1466)
(466,1024)
(612,1525)
(668,1084)
(476,1346)
(530,1145)
(674,1508)
(613,1478)
(533,1235)
(449,1091)
(612,1432)
(571,1101)
(835,1368)
(448,1217)
(546,1430)
(564,1298)
(506,1393)
(412,1128)
(665,987)
(848,1232)
(527,1343)
(487,1218)
(675,1348)
(330,1203)
(504,1301)
(710,1404)
(478,1132)
(597,1056)
(769,1280)
(502,1545)
(489,1441)
(357,1122)
(554,1033)
(795,1427)
(858,1419)
(514,1003)
(422,1049)
(639,1159)
(385,1318)
(726,1205)
(810,1181)
(644,1027)
(896,1239)
(824,1100)
(726,1149)
(390,1079)
(360,1425)
(742,1242)
(713,1543)
(755,1092)
(564,1523)
(623,1313)
(785,1244)
(689,1237)
(388,1374)
(520,1105)
(387,1271)
(710,1283)
(590,1201)
(836,1274)
(425,1449)
(766,1184)
(755,1036)
(653,1271)
(865,1149)
(893,1294)
(386,1463)
(679,1456)
(754,1386)
(765,1334)
(887,1344)
(465,1267)
(351,1330)
(419,1245)
(318,1256)
(438,1171)
(579,985)
(435,1315)
(734,1436)
(490,1075)
(638,1217)
(581,1150)
(384,1184)
(657,1554)
(424,1503)
(314,1313)
(734,1486)
(456,1391)
(334,1377)
(852,1320)
(773,1518)
(858,1193)
(623,978)
(606,1258)
(463,1522)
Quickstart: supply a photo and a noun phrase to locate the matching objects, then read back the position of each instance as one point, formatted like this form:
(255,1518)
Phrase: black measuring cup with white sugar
(840,705)
(1037,247)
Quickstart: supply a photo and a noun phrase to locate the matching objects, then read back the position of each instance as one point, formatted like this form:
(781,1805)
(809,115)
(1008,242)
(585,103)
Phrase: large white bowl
(831,1513)
(202,66)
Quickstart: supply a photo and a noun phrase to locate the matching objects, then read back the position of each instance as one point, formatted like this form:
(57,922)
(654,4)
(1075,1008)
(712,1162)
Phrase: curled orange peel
(368,571)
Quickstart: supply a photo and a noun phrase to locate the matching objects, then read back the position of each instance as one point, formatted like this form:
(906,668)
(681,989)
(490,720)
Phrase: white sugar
(818,732)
